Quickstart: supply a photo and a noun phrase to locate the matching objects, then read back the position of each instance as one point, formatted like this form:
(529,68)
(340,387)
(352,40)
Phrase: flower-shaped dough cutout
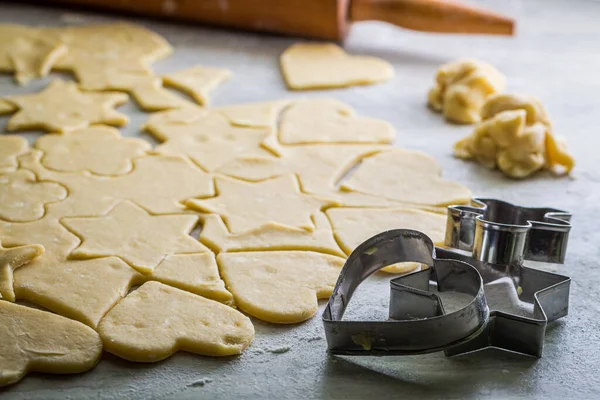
(408,177)
(62,107)
(10,147)
(155,321)
(23,198)
(282,287)
(34,340)
(198,81)
(462,88)
(246,206)
(330,121)
(129,232)
(11,259)
(98,149)
(326,66)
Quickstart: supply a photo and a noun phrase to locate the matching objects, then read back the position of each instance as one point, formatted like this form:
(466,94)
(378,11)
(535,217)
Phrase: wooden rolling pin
(322,19)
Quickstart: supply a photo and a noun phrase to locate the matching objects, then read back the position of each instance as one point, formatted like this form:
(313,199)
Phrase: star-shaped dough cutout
(246,206)
(11,259)
(62,107)
(129,232)
(198,81)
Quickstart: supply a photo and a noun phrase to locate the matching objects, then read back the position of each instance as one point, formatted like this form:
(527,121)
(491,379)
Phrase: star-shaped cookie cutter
(501,236)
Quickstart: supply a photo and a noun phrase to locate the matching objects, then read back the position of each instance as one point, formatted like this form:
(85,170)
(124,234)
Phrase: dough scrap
(352,226)
(12,258)
(177,116)
(98,149)
(150,94)
(462,88)
(515,136)
(23,198)
(330,121)
(281,287)
(7,107)
(254,115)
(34,340)
(198,81)
(247,206)
(130,233)
(196,273)
(326,66)
(271,236)
(28,52)
(406,176)
(11,146)
(155,321)
(62,107)
(157,183)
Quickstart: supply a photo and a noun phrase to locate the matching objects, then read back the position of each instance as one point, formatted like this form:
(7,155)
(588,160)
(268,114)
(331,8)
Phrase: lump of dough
(516,137)
(462,87)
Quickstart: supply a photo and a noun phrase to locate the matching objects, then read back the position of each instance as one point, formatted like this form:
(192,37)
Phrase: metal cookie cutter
(500,235)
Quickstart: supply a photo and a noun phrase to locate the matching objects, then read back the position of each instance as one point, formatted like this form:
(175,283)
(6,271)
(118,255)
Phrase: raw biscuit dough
(254,115)
(62,107)
(330,121)
(23,198)
(462,88)
(409,177)
(326,65)
(34,340)
(149,93)
(155,321)
(352,226)
(247,206)
(11,259)
(130,233)
(279,286)
(11,146)
(198,81)
(7,107)
(98,149)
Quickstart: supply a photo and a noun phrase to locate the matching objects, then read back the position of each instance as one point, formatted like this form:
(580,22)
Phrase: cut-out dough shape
(352,226)
(247,206)
(271,236)
(11,259)
(62,107)
(10,147)
(23,198)
(7,107)
(28,52)
(326,66)
(211,141)
(254,115)
(149,92)
(155,321)
(330,121)
(177,116)
(410,177)
(129,232)
(35,340)
(157,183)
(198,81)
(279,286)
(196,273)
(98,149)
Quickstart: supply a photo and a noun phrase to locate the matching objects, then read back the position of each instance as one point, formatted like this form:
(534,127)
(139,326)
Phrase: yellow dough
(248,206)
(254,115)
(7,107)
(34,340)
(352,226)
(28,52)
(326,65)
(148,92)
(129,232)
(516,137)
(462,87)
(280,286)
(410,177)
(197,81)
(23,198)
(156,321)
(98,149)
(11,259)
(330,121)
(10,147)
(62,107)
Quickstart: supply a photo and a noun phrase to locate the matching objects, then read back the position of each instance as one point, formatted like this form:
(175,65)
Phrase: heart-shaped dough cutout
(35,340)
(157,320)
(326,66)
